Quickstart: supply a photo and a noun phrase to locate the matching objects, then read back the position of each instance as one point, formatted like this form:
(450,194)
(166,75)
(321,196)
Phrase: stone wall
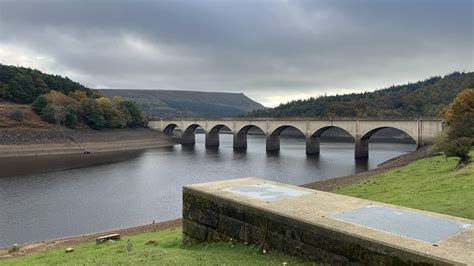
(209,218)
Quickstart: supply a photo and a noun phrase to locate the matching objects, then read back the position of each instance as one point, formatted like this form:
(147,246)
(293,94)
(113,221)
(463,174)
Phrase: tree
(92,113)
(133,115)
(39,104)
(113,117)
(458,137)
(60,108)
(4,92)
(78,95)
(71,118)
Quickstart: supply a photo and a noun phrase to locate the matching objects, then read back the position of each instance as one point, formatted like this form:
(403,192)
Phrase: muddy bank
(338,182)
(26,151)
(26,249)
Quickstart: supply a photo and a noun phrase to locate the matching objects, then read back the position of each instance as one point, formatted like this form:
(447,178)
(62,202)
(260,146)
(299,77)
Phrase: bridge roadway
(422,131)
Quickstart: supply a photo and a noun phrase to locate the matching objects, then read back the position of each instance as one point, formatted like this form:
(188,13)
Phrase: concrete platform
(324,226)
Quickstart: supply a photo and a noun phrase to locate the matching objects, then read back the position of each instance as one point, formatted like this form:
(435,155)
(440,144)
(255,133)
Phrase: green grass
(429,184)
(167,250)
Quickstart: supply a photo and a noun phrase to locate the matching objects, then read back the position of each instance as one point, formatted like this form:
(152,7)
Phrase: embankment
(402,160)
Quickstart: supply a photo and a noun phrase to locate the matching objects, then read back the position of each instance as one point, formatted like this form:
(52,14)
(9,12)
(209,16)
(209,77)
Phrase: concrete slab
(404,223)
(331,218)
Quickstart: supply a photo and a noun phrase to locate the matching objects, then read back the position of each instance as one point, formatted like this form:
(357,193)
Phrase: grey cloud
(262,48)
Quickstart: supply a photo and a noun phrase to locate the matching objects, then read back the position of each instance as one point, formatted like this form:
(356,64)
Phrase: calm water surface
(147,187)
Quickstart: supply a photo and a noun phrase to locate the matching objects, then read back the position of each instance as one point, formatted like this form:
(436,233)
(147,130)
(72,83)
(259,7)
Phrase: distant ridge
(423,98)
(180,103)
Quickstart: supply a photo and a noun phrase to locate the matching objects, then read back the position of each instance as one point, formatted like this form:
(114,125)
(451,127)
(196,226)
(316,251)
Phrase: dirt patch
(26,249)
(30,119)
(335,183)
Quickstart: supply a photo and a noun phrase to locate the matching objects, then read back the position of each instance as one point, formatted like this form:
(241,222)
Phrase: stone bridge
(422,131)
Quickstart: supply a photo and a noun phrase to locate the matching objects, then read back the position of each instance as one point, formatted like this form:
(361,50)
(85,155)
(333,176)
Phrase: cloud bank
(273,51)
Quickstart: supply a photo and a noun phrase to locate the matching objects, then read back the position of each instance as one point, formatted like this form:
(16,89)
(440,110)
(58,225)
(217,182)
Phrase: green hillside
(431,184)
(422,98)
(178,103)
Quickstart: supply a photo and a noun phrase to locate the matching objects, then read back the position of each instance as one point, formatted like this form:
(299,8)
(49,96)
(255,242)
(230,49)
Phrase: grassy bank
(157,248)
(429,184)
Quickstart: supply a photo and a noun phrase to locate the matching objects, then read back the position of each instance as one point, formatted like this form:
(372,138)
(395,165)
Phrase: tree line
(24,85)
(423,98)
(97,112)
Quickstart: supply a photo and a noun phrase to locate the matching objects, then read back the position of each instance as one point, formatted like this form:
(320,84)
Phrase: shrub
(48,115)
(16,115)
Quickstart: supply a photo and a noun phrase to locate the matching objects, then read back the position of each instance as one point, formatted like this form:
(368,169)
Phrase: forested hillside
(61,101)
(178,103)
(423,98)
(24,85)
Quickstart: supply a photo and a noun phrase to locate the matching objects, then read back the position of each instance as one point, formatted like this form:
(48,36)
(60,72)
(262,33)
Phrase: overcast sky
(273,50)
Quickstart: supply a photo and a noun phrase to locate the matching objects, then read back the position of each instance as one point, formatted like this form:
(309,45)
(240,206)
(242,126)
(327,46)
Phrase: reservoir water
(147,186)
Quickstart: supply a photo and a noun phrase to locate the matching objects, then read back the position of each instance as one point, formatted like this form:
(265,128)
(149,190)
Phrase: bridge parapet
(422,131)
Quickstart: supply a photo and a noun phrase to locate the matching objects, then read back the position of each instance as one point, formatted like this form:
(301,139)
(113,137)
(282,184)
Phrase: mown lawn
(165,250)
(429,184)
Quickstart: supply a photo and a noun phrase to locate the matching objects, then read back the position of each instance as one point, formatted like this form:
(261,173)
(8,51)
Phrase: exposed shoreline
(68,149)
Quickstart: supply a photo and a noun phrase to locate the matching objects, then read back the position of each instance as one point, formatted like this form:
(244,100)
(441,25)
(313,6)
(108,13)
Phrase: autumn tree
(61,109)
(458,136)
(112,115)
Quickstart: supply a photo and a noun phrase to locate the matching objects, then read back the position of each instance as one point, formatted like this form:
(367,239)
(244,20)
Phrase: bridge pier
(240,141)
(361,148)
(273,143)
(188,138)
(212,139)
(312,145)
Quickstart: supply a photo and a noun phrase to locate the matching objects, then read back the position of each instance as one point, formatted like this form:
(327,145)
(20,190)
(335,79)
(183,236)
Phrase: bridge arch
(168,130)
(245,129)
(240,136)
(212,136)
(192,128)
(370,133)
(277,131)
(314,140)
(273,138)
(362,144)
(188,136)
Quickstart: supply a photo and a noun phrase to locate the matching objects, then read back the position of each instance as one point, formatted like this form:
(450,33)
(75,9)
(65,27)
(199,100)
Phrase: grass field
(165,250)
(429,184)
